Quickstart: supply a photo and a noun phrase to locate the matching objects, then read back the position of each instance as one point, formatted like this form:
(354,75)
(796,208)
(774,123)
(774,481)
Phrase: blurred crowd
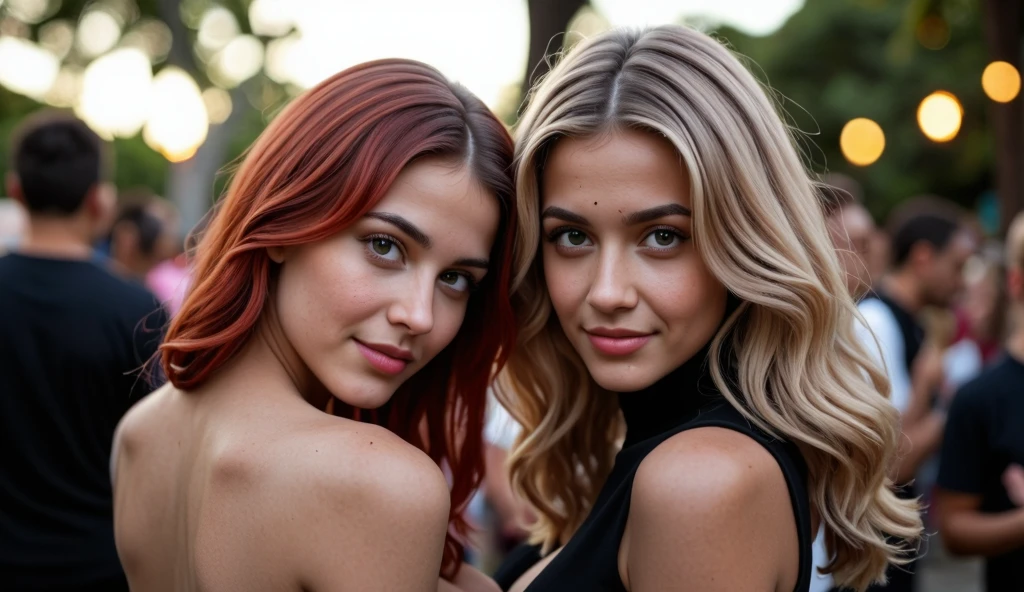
(941,301)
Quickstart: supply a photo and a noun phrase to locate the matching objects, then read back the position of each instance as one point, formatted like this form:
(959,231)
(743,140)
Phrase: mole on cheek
(595,203)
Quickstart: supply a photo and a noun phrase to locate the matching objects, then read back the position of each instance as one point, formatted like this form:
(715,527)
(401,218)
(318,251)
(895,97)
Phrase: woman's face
(630,291)
(369,307)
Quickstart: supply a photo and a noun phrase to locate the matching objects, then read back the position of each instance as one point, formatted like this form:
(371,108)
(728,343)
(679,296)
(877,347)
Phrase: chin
(626,378)
(364,393)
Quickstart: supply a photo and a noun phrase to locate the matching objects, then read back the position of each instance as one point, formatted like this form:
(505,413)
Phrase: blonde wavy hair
(801,373)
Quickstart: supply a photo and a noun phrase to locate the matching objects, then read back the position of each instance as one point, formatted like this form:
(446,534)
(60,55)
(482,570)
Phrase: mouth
(385,358)
(617,342)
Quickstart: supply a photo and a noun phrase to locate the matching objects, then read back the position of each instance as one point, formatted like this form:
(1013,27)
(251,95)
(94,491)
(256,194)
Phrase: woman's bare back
(211,494)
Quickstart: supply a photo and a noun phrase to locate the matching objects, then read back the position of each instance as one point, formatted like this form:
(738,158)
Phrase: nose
(414,306)
(612,289)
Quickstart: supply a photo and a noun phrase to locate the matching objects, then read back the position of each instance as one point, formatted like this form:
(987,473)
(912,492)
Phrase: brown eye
(662,238)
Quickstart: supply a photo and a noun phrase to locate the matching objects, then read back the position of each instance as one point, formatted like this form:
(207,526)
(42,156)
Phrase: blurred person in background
(144,234)
(12,224)
(930,246)
(980,495)
(71,333)
(851,229)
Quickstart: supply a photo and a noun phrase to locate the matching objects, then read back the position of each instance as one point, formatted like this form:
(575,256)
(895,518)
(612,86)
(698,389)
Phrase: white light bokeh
(151,36)
(66,87)
(29,11)
(238,61)
(218,104)
(98,32)
(57,37)
(280,59)
(179,123)
(116,93)
(217,28)
(26,68)
(271,18)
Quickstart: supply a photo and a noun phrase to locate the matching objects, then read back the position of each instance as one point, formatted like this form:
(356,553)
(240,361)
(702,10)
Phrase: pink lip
(385,358)
(617,342)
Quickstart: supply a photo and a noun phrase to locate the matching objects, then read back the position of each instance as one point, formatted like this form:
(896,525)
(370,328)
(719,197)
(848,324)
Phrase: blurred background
(902,98)
(890,92)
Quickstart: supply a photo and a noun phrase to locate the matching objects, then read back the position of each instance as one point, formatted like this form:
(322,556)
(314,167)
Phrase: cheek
(323,295)
(686,292)
(567,281)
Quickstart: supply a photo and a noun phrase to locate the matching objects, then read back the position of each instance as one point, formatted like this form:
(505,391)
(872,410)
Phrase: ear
(276,254)
(13,186)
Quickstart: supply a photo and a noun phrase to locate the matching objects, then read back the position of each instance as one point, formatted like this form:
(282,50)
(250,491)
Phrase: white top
(888,350)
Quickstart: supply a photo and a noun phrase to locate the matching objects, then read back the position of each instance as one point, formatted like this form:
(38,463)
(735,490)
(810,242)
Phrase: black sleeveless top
(685,399)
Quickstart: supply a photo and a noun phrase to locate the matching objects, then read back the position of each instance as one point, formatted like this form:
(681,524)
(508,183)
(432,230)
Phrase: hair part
(58,160)
(322,164)
(800,371)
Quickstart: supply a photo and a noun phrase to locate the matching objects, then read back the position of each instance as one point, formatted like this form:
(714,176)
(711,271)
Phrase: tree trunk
(548,21)
(1003,37)
(190,182)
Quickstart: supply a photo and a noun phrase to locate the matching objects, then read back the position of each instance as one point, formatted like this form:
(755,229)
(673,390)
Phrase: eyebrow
(404,225)
(652,214)
(565,215)
(481,263)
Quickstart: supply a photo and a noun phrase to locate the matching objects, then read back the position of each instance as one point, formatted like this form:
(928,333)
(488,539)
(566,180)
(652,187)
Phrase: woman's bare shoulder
(376,506)
(721,496)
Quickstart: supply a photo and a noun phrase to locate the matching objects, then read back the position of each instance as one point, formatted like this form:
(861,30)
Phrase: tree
(836,60)
(549,20)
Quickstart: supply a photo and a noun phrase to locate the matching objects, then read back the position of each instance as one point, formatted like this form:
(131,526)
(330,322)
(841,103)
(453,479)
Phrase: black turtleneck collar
(670,401)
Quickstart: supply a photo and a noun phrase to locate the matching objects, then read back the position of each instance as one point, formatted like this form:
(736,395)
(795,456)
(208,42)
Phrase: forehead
(443,198)
(625,168)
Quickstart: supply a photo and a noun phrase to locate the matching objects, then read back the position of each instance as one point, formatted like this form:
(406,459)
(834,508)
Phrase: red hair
(321,165)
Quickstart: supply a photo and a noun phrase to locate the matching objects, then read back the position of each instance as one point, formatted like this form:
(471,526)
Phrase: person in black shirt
(979,498)
(71,335)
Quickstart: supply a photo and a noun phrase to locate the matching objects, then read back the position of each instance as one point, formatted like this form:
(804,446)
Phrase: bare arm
(705,502)
(967,531)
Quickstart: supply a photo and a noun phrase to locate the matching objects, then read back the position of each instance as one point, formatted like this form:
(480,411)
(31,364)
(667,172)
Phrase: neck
(261,367)
(62,238)
(905,290)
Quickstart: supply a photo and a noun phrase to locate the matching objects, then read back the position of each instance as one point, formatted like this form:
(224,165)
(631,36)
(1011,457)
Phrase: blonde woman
(680,283)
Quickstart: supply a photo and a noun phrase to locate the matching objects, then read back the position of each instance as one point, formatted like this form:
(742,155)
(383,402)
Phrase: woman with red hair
(349,308)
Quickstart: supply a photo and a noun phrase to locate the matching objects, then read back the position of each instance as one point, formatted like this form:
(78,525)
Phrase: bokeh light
(240,60)
(57,37)
(280,59)
(66,88)
(151,36)
(98,32)
(31,11)
(862,141)
(216,29)
(271,18)
(26,68)
(940,116)
(1001,82)
(116,92)
(218,104)
(178,122)
(933,32)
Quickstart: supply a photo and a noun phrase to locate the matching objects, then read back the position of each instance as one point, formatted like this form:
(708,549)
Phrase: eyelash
(557,233)
(471,281)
